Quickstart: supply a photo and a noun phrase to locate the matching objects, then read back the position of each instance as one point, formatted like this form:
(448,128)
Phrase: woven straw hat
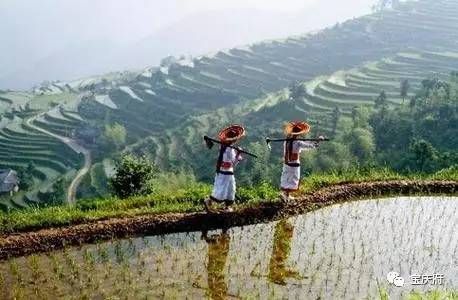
(297,128)
(231,134)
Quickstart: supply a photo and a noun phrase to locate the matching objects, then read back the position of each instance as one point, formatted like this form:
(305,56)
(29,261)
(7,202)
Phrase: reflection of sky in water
(337,252)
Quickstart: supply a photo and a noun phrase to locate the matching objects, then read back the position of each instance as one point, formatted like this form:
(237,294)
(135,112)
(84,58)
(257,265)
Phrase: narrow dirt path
(71,192)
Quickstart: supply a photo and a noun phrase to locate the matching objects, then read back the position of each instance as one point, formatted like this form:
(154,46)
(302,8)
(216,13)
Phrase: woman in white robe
(292,149)
(291,174)
(224,186)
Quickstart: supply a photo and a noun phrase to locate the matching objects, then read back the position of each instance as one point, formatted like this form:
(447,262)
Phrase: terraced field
(361,86)
(59,121)
(166,109)
(22,145)
(160,98)
(417,39)
(181,147)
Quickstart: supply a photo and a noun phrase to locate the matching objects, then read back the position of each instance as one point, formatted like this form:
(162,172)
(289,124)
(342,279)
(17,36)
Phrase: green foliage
(423,137)
(330,156)
(336,114)
(361,143)
(405,86)
(429,295)
(424,156)
(55,196)
(25,176)
(450,173)
(133,176)
(322,179)
(264,191)
(433,295)
(115,136)
(166,182)
(255,171)
(381,100)
(360,116)
(383,294)
(90,109)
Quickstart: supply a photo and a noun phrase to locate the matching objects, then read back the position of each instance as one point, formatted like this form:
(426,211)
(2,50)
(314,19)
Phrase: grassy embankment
(178,195)
(431,295)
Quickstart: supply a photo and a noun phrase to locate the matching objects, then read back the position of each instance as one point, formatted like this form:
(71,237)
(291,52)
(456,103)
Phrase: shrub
(133,176)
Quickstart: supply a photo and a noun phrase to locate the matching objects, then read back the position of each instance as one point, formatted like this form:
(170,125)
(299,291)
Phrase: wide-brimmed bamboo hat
(297,128)
(231,133)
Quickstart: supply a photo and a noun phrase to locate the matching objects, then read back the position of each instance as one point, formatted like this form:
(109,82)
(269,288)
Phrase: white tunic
(224,186)
(291,175)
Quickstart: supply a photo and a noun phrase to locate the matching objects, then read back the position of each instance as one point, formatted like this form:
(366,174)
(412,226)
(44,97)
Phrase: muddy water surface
(340,252)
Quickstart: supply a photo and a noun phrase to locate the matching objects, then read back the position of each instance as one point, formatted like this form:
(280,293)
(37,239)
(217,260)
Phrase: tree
(133,176)
(256,171)
(296,91)
(381,100)
(332,156)
(58,192)
(413,102)
(336,113)
(90,109)
(405,86)
(56,195)
(25,176)
(360,116)
(115,135)
(361,143)
(424,155)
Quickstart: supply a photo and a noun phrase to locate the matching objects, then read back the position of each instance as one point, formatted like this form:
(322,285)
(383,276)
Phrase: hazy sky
(33,31)
(46,22)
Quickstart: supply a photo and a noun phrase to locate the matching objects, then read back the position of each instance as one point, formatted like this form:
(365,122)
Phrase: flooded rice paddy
(339,252)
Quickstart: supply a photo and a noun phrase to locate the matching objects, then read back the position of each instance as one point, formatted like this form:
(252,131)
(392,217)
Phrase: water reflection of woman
(218,250)
(278,271)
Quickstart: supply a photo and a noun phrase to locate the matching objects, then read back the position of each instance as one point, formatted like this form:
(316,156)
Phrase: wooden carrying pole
(210,142)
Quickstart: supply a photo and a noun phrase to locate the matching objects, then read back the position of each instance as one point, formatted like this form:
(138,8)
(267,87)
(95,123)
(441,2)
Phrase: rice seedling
(15,272)
(327,253)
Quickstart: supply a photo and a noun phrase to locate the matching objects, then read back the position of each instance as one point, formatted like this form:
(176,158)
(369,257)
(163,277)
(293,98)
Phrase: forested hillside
(353,82)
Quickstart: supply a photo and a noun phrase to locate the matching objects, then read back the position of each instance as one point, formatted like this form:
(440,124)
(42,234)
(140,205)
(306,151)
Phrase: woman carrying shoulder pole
(292,148)
(224,186)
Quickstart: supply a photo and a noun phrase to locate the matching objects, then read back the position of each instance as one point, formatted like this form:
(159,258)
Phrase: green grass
(186,196)
(431,295)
